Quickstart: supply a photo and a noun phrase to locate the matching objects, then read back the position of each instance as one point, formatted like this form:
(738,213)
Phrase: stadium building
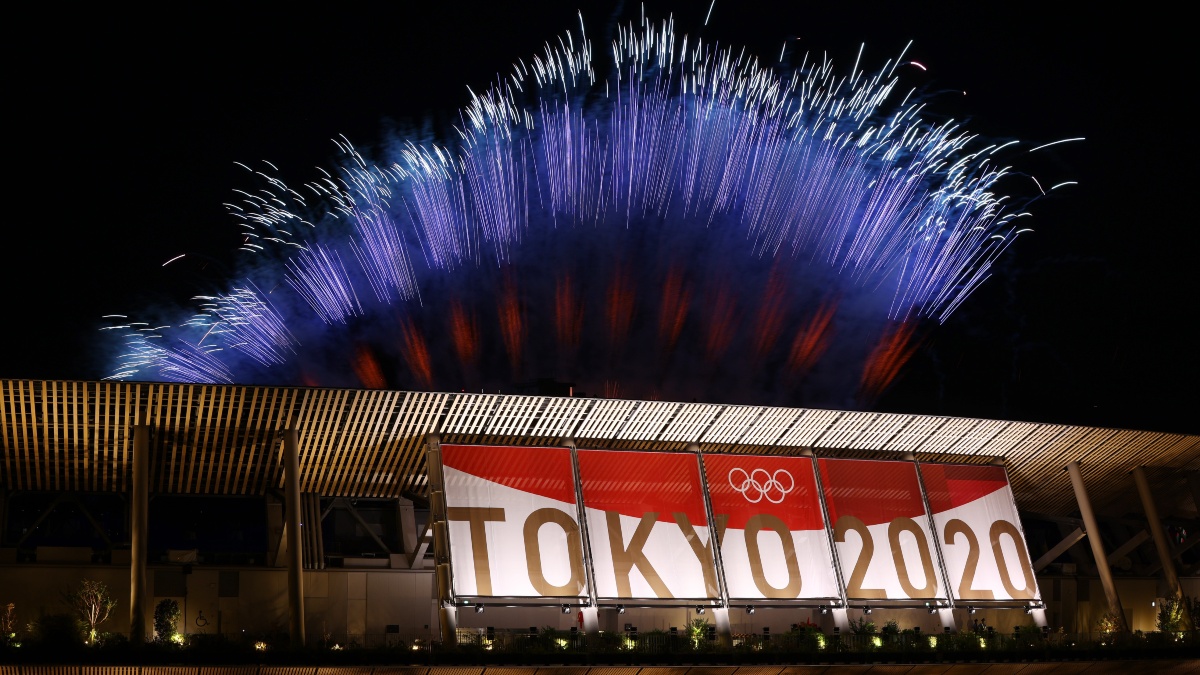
(368,515)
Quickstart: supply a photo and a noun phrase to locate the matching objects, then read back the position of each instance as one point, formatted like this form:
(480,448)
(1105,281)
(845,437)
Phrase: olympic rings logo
(761,484)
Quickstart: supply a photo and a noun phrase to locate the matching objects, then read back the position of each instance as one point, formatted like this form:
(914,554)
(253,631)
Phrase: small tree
(93,603)
(1170,616)
(8,625)
(166,617)
(861,626)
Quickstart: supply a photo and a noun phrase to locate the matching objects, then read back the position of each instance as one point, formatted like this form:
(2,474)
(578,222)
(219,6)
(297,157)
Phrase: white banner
(881,530)
(773,539)
(982,542)
(647,525)
(512,523)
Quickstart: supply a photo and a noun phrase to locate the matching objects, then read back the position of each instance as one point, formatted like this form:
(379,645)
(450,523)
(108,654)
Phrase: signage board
(881,530)
(982,542)
(512,521)
(647,525)
(772,534)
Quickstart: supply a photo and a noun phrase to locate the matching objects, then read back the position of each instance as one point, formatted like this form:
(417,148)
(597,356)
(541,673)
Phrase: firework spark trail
(245,321)
(568,313)
(812,340)
(366,367)
(465,334)
(894,349)
(675,300)
(416,354)
(808,164)
(512,322)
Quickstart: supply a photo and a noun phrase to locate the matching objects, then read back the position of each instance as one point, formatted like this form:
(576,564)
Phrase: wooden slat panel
(730,424)
(605,419)
(809,428)
(215,439)
(691,422)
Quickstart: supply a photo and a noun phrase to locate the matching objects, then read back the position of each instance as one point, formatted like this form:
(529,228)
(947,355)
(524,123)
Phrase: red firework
(675,300)
(464,333)
(813,339)
(620,307)
(894,349)
(771,313)
(568,313)
(512,326)
(416,354)
(721,325)
(366,367)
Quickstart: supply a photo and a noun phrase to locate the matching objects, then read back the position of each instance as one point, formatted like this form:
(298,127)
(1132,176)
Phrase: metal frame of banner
(443,567)
(946,614)
(585,534)
(836,561)
(713,539)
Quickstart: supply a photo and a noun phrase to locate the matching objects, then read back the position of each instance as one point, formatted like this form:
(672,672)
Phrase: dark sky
(127,126)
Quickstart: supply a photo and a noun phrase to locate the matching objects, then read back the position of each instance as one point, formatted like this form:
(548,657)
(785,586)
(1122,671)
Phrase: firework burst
(778,188)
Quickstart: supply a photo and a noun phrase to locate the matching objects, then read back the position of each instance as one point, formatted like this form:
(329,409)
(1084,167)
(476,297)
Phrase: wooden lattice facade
(210,439)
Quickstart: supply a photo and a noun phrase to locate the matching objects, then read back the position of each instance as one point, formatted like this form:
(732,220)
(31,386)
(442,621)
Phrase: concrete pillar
(841,619)
(295,551)
(591,620)
(946,615)
(1093,531)
(139,513)
(1160,537)
(724,631)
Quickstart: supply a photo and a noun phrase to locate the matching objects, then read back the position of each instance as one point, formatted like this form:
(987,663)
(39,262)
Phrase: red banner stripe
(742,486)
(951,485)
(875,491)
(540,471)
(636,483)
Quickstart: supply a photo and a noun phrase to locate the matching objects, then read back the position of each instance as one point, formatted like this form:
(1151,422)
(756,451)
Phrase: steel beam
(1059,548)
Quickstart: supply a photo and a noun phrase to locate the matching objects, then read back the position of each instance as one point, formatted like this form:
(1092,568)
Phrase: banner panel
(512,522)
(647,526)
(982,540)
(770,527)
(881,530)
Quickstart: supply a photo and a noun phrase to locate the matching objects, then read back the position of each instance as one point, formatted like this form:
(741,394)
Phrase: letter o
(756,524)
(533,552)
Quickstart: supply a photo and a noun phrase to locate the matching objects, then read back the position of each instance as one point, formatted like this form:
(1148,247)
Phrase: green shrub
(166,618)
(56,631)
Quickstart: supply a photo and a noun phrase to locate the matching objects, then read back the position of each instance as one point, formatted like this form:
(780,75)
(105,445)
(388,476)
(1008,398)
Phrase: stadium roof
(224,439)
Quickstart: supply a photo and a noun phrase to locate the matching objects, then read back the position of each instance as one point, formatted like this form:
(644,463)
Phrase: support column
(841,619)
(138,523)
(295,551)
(946,616)
(591,620)
(724,631)
(1093,531)
(1160,538)
(447,610)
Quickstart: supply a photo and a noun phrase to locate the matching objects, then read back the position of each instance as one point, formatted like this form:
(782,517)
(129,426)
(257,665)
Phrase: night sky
(127,127)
